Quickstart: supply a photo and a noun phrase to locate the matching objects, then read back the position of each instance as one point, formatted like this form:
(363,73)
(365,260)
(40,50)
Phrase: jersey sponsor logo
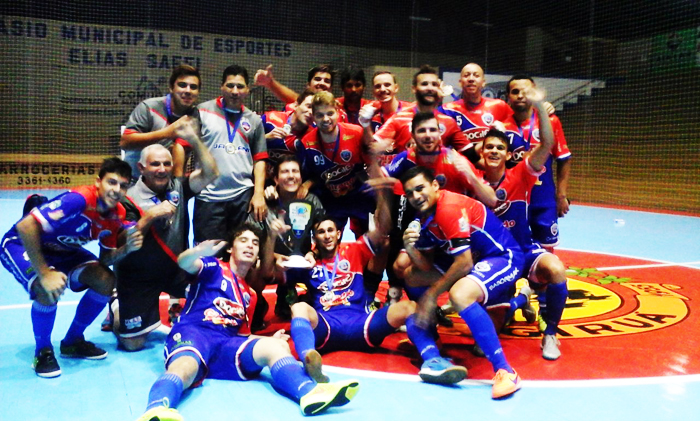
(476,134)
(211,315)
(554,229)
(133,323)
(336,300)
(347,136)
(336,172)
(519,154)
(53,205)
(512,276)
(345,155)
(230,308)
(487,118)
(597,309)
(73,240)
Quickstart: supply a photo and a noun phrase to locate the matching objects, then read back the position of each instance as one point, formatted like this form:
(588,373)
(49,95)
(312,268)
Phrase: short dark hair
(304,94)
(252,227)
(383,72)
(117,166)
(425,69)
(497,134)
(322,217)
(420,118)
(184,70)
(415,172)
(521,76)
(283,159)
(352,73)
(321,68)
(234,70)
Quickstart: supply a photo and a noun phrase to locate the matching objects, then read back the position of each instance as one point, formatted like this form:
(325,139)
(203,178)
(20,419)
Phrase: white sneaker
(550,347)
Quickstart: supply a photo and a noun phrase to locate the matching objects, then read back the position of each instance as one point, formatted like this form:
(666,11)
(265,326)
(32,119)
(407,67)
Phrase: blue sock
(90,306)
(303,336)
(166,391)
(43,318)
(516,302)
(422,339)
(555,295)
(289,376)
(485,335)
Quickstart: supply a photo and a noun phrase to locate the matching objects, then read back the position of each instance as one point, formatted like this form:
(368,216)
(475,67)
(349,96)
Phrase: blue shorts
(218,350)
(543,224)
(351,329)
(15,260)
(495,275)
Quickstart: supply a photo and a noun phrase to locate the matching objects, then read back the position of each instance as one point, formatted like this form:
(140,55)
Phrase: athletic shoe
(313,364)
(442,318)
(441,371)
(161,413)
(541,324)
(448,308)
(504,384)
(326,395)
(529,313)
(83,349)
(374,305)
(45,364)
(550,347)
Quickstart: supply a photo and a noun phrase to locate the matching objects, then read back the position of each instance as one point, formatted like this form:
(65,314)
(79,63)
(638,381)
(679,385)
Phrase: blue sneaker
(441,371)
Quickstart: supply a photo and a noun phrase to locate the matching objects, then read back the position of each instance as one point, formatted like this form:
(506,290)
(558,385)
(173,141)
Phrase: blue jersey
(347,287)
(71,220)
(219,297)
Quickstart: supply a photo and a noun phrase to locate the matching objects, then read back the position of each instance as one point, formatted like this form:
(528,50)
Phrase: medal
(230,148)
(329,296)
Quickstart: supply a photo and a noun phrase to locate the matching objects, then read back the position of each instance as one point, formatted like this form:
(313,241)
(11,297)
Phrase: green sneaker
(161,413)
(326,395)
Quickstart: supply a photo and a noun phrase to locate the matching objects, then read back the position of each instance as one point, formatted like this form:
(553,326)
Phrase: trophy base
(296,261)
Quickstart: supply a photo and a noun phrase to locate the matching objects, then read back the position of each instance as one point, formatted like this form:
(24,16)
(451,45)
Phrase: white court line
(629,257)
(28,305)
(624,382)
(652,265)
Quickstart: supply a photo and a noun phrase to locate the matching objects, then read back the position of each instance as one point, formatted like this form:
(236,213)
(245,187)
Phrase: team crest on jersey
(442,127)
(174,197)
(554,229)
(503,205)
(482,266)
(487,118)
(536,134)
(245,124)
(345,155)
(56,215)
(441,179)
(344,265)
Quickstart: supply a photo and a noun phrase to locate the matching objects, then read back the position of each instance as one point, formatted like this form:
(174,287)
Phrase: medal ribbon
(329,279)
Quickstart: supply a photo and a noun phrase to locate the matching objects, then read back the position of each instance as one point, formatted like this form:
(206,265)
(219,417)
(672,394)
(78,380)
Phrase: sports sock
(303,336)
(556,300)
(516,302)
(422,339)
(90,306)
(166,391)
(485,335)
(43,318)
(289,376)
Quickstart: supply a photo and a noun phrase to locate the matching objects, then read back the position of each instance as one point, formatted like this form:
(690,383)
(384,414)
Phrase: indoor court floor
(630,344)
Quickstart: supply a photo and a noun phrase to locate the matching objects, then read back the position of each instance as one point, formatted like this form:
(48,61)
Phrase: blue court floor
(117,388)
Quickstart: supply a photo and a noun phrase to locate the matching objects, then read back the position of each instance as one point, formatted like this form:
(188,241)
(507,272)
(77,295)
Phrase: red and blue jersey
(71,220)
(352,116)
(342,115)
(219,297)
(513,194)
(380,118)
(347,287)
(461,223)
(447,176)
(475,120)
(398,130)
(340,166)
(523,138)
(279,147)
